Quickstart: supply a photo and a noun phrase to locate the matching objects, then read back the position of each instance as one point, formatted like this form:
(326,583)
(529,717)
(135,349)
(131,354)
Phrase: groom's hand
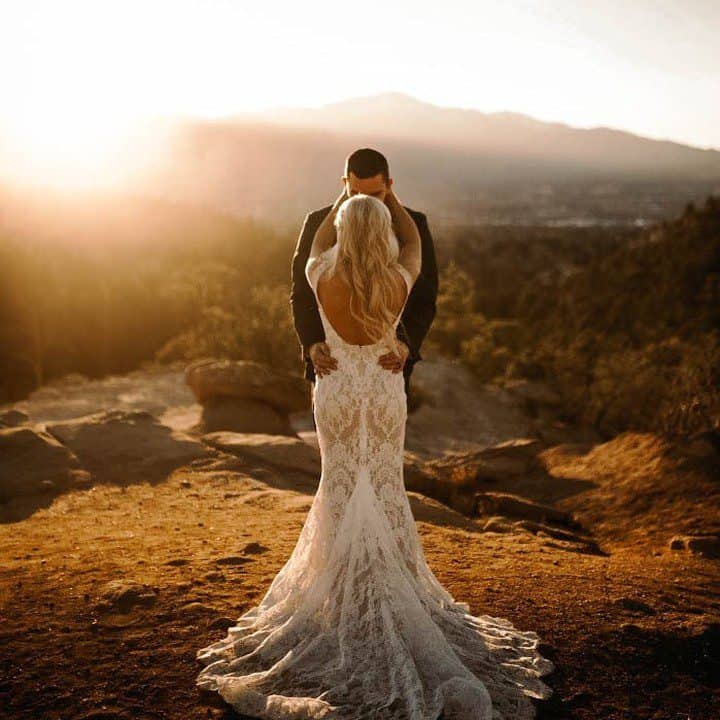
(322,360)
(393,362)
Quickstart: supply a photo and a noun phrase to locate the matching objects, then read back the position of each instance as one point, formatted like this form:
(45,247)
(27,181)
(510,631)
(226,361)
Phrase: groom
(366,171)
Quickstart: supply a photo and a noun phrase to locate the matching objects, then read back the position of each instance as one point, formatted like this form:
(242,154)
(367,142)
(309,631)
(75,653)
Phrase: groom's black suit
(417,315)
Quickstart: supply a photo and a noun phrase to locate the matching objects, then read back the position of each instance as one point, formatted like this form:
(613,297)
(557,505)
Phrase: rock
(471,468)
(195,608)
(635,605)
(178,562)
(706,546)
(232,560)
(214,576)
(33,462)
(245,416)
(537,527)
(246,396)
(499,524)
(494,503)
(222,623)
(123,595)
(454,478)
(13,418)
(289,453)
(455,411)
(584,543)
(127,446)
(254,548)
(455,495)
(512,457)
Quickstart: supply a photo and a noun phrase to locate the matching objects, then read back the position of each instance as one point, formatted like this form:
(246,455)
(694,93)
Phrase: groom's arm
(421,304)
(306,316)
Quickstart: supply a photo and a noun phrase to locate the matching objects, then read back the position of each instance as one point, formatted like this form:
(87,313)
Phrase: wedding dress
(356,626)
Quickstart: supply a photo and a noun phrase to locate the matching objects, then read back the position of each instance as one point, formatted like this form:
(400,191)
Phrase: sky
(74,74)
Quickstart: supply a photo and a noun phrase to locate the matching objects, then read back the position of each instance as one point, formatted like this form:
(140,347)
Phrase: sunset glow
(81,78)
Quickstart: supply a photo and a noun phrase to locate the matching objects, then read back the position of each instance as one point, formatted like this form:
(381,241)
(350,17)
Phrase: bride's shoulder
(316,263)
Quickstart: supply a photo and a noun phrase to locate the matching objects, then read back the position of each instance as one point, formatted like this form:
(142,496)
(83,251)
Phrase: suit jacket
(415,320)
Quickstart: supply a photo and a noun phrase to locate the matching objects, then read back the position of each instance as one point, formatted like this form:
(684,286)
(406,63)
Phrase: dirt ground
(634,632)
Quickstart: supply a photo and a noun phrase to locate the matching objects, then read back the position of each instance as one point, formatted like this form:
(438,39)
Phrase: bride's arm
(408,236)
(326,235)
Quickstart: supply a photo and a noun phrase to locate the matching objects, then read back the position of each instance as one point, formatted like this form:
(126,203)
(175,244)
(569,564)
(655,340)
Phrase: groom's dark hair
(366,163)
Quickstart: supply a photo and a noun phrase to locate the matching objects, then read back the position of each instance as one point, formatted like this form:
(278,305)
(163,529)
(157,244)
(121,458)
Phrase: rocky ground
(151,538)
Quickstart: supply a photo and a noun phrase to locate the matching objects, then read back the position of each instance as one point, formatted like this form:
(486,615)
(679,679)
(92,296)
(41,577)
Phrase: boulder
(517,456)
(13,418)
(634,605)
(455,411)
(544,530)
(118,445)
(512,506)
(123,595)
(455,495)
(455,477)
(497,524)
(33,462)
(289,453)
(246,396)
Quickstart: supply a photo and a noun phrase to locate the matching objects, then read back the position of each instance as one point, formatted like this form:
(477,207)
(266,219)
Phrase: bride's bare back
(334,296)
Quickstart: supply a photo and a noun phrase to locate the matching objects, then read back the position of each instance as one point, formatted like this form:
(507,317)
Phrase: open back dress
(356,626)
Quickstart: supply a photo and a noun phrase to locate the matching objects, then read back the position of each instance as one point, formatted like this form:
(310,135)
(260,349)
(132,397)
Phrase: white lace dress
(356,625)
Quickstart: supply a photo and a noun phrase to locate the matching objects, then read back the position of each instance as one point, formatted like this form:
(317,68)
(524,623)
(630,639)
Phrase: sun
(85,84)
(74,145)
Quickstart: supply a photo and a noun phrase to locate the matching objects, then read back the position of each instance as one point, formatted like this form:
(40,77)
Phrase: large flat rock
(134,445)
(281,451)
(33,462)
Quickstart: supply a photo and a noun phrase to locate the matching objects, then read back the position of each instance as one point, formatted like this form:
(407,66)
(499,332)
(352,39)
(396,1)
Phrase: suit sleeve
(422,303)
(306,316)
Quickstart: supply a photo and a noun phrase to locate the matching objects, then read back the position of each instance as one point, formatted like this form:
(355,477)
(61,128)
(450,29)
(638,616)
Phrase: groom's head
(366,171)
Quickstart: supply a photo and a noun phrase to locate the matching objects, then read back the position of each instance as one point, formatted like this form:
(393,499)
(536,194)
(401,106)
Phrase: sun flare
(78,76)
(71,146)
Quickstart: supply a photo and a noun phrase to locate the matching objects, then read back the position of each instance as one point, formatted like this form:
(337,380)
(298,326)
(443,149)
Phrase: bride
(356,625)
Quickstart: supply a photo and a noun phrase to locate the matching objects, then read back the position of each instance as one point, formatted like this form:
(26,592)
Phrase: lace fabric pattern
(355,626)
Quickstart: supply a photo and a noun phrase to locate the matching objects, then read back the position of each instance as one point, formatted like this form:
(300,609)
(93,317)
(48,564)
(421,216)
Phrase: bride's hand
(391,200)
(340,200)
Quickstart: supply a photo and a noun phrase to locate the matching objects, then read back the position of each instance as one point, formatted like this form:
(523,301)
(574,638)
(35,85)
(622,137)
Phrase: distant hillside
(633,338)
(510,137)
(459,166)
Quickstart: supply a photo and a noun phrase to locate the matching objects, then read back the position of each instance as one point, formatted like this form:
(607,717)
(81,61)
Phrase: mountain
(461,166)
(505,135)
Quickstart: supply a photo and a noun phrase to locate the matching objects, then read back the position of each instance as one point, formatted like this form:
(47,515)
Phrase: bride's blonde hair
(367,250)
